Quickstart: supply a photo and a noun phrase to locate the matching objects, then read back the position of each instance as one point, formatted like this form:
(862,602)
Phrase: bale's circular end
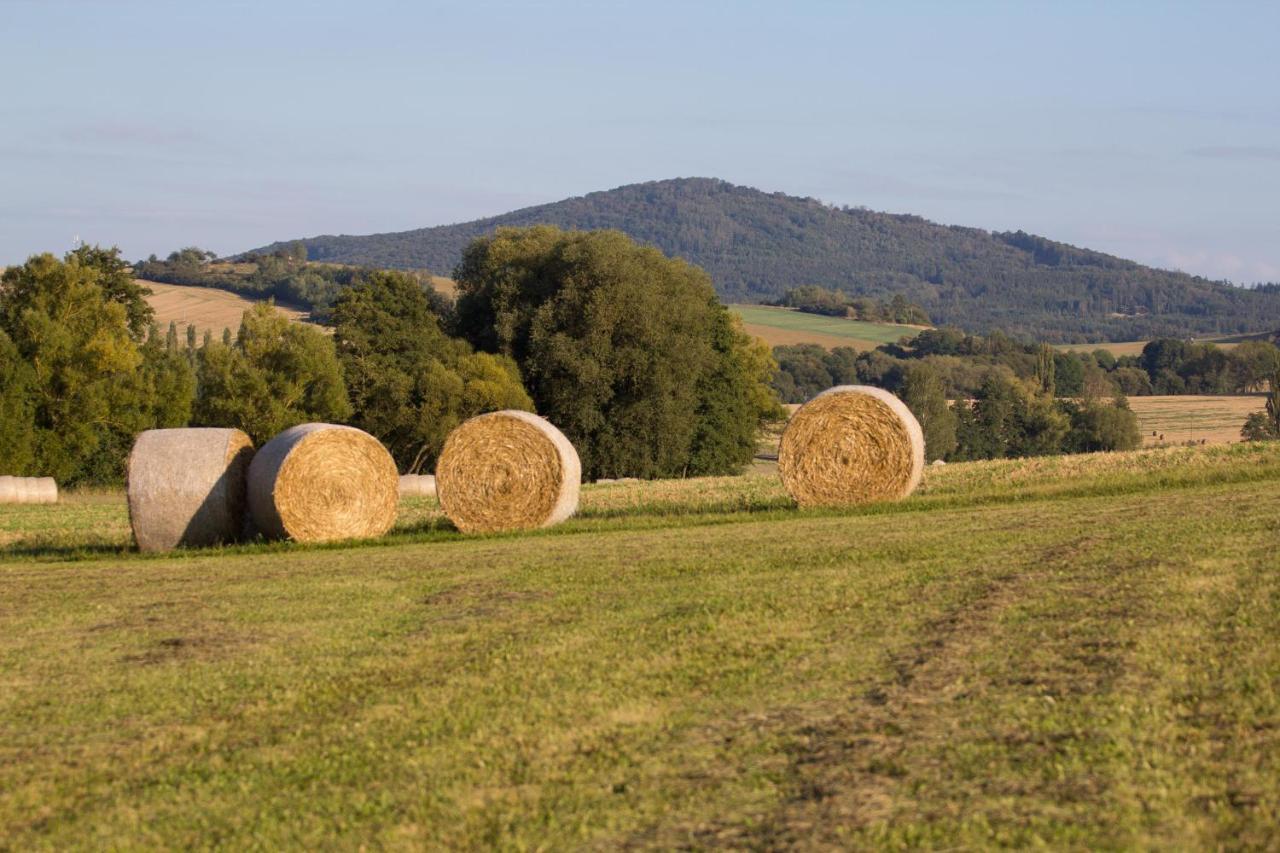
(322,482)
(507,470)
(186,487)
(851,444)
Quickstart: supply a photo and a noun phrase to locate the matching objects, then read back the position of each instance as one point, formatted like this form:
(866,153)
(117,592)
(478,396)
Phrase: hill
(755,245)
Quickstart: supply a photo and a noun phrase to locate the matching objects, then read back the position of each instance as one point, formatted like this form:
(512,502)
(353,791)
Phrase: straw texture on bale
(187,487)
(28,490)
(322,482)
(417,486)
(851,444)
(507,470)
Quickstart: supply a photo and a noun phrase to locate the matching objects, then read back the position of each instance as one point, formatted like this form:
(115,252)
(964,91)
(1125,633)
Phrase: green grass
(1072,652)
(798,321)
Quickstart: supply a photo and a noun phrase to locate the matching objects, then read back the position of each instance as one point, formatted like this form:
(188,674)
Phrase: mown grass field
(1185,418)
(780,326)
(1073,652)
(203,307)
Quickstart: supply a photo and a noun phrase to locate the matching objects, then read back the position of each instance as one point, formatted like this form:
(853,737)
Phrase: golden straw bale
(321,482)
(44,490)
(9,489)
(851,444)
(507,470)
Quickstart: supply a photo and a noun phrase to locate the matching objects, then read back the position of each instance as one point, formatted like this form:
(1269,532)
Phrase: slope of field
(203,307)
(755,245)
(1183,418)
(778,326)
(1074,652)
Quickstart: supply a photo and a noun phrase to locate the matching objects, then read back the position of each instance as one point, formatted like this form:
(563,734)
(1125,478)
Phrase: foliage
(72,344)
(283,274)
(17,415)
(625,350)
(757,245)
(1097,426)
(276,375)
(409,383)
(1265,425)
(813,299)
(923,393)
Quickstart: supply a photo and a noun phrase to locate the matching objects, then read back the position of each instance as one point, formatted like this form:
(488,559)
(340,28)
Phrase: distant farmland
(1216,420)
(781,326)
(203,307)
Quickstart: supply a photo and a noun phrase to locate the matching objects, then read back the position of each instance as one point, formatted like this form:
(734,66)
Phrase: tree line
(812,299)
(627,351)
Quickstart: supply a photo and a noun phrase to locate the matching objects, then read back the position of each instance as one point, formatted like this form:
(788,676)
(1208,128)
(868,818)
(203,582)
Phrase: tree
(923,393)
(276,375)
(1045,369)
(1099,426)
(118,285)
(1265,425)
(17,416)
(615,342)
(68,322)
(408,382)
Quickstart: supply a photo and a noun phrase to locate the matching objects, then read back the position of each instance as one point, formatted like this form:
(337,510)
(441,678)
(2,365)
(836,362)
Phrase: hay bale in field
(507,470)
(417,486)
(187,487)
(322,482)
(42,490)
(851,444)
(28,490)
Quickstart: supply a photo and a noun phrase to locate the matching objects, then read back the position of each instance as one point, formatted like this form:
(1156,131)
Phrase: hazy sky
(1150,130)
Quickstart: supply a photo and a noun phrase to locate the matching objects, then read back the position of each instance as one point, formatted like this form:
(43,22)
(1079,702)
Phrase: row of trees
(625,350)
(964,363)
(1008,417)
(813,299)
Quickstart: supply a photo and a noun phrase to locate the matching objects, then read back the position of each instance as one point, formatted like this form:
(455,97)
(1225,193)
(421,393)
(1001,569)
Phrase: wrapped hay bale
(851,444)
(42,490)
(507,470)
(28,490)
(321,482)
(187,487)
(417,486)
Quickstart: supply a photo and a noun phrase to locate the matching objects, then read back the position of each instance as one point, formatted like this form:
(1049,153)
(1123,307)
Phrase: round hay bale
(8,489)
(417,486)
(851,444)
(42,490)
(507,470)
(322,482)
(187,487)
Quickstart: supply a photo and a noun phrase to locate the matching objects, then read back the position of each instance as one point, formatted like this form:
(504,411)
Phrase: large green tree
(923,393)
(624,349)
(409,383)
(68,327)
(276,375)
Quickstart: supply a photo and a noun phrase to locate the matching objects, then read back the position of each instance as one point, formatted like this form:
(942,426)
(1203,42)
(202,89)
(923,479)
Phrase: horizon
(1152,139)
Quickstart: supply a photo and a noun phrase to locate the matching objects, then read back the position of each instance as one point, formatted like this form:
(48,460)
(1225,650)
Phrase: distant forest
(758,245)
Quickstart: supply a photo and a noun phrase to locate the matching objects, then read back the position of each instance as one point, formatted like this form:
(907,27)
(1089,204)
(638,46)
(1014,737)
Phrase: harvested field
(1183,418)
(970,667)
(203,307)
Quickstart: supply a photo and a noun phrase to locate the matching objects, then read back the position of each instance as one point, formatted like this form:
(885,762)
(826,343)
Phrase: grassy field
(779,326)
(203,307)
(1072,652)
(1192,418)
(1119,348)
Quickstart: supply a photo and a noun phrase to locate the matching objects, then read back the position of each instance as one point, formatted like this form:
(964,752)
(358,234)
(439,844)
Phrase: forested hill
(755,245)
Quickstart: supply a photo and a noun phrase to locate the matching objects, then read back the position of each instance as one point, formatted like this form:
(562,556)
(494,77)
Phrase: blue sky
(1150,130)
